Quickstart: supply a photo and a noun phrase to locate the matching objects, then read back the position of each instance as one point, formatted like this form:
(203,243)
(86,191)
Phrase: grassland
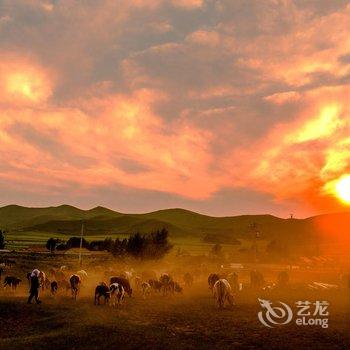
(30,226)
(190,321)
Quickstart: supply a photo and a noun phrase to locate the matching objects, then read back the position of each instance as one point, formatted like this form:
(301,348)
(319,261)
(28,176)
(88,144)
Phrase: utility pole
(81,244)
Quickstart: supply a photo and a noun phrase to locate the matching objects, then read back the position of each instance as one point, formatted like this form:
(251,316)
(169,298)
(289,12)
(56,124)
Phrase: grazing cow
(138,283)
(117,293)
(222,293)
(82,274)
(156,285)
(60,276)
(165,280)
(233,280)
(47,283)
(12,282)
(146,289)
(175,287)
(213,277)
(54,287)
(75,282)
(188,279)
(123,282)
(102,290)
(256,279)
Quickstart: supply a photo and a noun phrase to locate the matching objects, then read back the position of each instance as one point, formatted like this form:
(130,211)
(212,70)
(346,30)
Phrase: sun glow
(26,85)
(342,189)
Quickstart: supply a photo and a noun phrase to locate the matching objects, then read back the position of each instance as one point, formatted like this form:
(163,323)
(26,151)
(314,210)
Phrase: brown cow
(213,277)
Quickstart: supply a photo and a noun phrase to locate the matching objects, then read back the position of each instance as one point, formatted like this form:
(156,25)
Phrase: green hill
(67,220)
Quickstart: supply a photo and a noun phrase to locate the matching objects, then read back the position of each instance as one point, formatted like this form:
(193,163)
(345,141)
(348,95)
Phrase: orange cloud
(302,158)
(106,132)
(22,82)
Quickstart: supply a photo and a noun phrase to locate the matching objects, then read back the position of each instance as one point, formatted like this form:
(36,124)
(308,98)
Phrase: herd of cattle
(224,287)
(61,280)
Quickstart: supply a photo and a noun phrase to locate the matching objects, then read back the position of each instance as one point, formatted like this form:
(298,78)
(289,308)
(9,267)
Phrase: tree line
(154,245)
(2,239)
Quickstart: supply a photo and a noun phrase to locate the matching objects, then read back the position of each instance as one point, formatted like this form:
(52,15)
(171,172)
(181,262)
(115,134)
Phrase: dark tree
(61,247)
(74,242)
(159,245)
(2,239)
(119,247)
(136,245)
(51,244)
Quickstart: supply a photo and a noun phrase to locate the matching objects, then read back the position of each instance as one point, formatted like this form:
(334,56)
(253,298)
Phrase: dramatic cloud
(220,106)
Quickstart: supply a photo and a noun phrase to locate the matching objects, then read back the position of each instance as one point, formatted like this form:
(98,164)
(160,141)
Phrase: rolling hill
(67,220)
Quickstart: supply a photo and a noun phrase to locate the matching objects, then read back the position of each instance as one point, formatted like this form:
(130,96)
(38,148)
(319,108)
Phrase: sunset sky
(220,106)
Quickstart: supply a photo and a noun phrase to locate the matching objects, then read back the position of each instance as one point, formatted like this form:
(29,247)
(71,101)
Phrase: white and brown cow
(223,293)
(117,293)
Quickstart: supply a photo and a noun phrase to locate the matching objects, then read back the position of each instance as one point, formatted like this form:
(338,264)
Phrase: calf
(123,282)
(138,283)
(102,290)
(166,280)
(188,279)
(146,289)
(156,285)
(12,282)
(54,287)
(117,293)
(175,287)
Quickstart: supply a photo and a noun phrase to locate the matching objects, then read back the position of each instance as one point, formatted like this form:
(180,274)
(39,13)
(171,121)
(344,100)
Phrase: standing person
(34,287)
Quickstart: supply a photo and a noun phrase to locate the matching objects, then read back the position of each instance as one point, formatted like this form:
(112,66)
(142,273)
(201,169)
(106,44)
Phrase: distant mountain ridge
(67,219)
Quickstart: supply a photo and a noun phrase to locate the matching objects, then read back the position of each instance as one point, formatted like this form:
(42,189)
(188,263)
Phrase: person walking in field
(34,287)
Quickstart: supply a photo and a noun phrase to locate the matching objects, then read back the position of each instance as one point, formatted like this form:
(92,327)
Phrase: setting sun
(343,189)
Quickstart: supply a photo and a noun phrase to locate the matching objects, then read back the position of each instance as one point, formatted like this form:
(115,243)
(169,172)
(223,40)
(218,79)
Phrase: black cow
(102,290)
(12,282)
(54,287)
(75,282)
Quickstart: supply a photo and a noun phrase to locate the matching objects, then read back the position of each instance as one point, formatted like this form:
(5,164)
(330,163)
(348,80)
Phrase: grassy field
(190,320)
